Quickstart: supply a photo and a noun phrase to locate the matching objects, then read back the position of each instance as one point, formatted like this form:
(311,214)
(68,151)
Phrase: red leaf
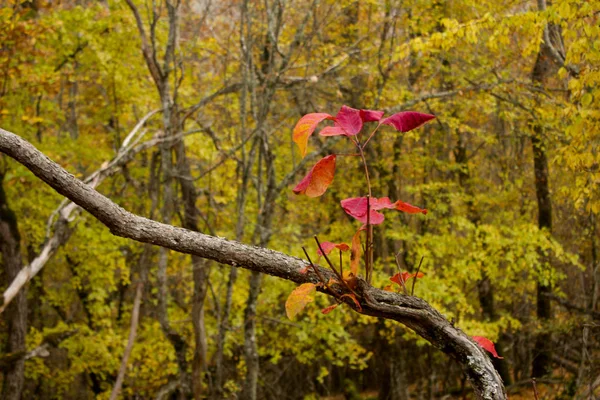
(299,298)
(328,246)
(332,131)
(409,208)
(401,278)
(329,309)
(370,115)
(379,204)
(357,208)
(407,120)
(305,127)
(315,183)
(488,345)
(349,120)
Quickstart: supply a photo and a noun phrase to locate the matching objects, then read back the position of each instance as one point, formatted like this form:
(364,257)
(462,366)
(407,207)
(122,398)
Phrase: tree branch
(413,312)
(68,211)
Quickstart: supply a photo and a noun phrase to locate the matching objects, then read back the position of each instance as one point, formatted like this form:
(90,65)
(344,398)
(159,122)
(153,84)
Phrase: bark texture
(16,312)
(413,312)
(545,66)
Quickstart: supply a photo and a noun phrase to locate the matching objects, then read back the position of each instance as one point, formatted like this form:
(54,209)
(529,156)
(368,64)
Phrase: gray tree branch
(413,312)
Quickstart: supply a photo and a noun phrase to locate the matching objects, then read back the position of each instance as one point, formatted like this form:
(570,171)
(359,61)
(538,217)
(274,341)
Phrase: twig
(314,268)
(400,273)
(412,291)
(135,313)
(535,392)
(369,234)
(340,277)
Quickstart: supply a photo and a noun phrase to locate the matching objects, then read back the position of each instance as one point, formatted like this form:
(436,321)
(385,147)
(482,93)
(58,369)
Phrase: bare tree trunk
(243,171)
(543,347)
(250,345)
(135,314)
(16,312)
(545,66)
(171,124)
(200,277)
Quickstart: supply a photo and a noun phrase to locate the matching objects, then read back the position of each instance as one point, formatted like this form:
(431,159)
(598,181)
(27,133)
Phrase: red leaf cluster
(357,208)
(349,122)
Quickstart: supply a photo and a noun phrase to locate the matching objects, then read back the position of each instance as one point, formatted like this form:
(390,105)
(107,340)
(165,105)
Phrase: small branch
(135,314)
(57,232)
(572,307)
(400,274)
(535,392)
(315,269)
(412,291)
(339,276)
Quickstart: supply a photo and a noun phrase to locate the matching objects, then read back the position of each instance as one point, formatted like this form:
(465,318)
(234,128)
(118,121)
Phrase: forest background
(183,111)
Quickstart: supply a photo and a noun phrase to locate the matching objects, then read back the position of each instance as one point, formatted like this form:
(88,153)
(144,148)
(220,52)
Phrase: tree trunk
(16,312)
(543,69)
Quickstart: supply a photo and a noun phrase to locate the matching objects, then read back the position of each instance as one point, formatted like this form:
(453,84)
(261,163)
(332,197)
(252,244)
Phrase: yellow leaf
(299,298)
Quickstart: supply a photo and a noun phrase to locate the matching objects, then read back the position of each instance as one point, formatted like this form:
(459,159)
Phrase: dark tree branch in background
(572,307)
(484,87)
(413,312)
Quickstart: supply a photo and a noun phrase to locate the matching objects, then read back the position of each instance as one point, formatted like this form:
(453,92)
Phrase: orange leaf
(332,281)
(305,127)
(350,279)
(388,288)
(487,344)
(401,278)
(299,298)
(315,183)
(408,208)
(355,253)
(329,309)
(353,297)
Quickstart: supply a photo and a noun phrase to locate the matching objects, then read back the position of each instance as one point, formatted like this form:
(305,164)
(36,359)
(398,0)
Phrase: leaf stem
(368,265)
(321,278)
(369,245)
(400,273)
(348,154)
(412,290)
(371,135)
(340,277)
